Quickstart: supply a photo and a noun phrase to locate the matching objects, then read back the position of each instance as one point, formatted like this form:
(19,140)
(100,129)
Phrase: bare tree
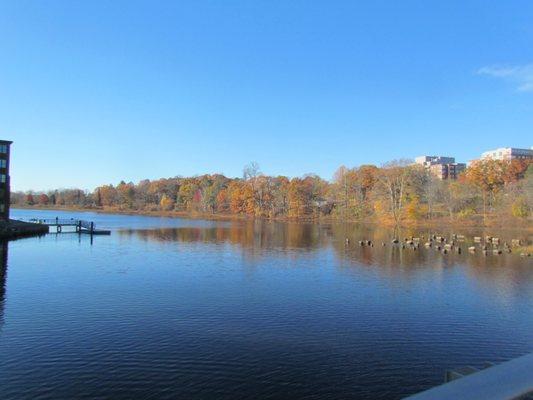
(251,171)
(393,179)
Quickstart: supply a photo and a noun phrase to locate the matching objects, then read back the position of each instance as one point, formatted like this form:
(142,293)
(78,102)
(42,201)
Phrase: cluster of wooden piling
(491,244)
(442,244)
(487,245)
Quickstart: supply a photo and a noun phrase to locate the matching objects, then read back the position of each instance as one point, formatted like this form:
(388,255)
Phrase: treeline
(398,191)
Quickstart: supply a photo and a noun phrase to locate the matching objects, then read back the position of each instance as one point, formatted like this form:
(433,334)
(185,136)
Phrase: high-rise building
(5,189)
(440,166)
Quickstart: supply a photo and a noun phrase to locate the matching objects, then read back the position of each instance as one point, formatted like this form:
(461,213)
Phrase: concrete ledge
(505,381)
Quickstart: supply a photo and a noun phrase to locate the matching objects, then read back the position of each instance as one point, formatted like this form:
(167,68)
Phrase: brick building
(5,189)
(440,166)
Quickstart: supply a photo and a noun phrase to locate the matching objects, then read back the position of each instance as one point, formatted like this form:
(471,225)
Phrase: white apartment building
(508,153)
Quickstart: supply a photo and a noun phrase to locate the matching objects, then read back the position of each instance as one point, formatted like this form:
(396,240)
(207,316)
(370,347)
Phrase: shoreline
(13,229)
(471,223)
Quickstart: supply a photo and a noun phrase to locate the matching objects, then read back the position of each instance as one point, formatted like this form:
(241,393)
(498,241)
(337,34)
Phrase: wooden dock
(80,225)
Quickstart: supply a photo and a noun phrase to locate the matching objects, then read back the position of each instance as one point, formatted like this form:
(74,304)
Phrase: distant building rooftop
(431,160)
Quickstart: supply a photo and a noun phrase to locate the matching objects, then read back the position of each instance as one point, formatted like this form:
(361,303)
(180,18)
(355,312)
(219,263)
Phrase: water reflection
(3,279)
(249,236)
(258,239)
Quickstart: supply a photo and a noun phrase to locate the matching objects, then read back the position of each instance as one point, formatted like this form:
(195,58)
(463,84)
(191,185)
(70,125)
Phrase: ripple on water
(228,311)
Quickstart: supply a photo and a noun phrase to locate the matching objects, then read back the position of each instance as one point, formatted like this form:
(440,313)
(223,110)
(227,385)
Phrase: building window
(2,178)
(2,208)
(3,148)
(3,163)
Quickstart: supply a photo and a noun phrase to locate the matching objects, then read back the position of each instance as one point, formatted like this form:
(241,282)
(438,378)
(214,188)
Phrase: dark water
(183,309)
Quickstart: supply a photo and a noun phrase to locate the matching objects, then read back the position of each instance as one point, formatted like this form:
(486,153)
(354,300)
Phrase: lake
(169,308)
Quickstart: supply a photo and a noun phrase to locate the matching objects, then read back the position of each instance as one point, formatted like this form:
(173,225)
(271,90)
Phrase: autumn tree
(235,196)
(521,194)
(222,201)
(43,199)
(30,199)
(351,189)
(186,194)
(108,195)
(166,203)
(300,197)
(528,185)
(280,196)
(211,187)
(126,194)
(488,176)
(515,170)
(98,197)
(367,178)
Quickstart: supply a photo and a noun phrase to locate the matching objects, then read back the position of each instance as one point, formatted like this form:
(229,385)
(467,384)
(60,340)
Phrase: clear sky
(94,92)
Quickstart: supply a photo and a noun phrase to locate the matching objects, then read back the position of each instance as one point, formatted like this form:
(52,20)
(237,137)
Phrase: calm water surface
(174,308)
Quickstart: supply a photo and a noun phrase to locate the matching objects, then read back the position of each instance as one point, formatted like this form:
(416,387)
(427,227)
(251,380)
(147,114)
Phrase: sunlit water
(186,309)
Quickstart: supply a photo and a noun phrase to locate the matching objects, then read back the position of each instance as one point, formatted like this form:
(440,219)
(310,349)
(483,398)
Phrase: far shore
(470,223)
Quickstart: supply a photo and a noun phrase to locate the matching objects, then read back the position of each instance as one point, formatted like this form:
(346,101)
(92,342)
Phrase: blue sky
(99,91)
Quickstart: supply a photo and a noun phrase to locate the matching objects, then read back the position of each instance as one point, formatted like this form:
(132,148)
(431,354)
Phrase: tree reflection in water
(261,238)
